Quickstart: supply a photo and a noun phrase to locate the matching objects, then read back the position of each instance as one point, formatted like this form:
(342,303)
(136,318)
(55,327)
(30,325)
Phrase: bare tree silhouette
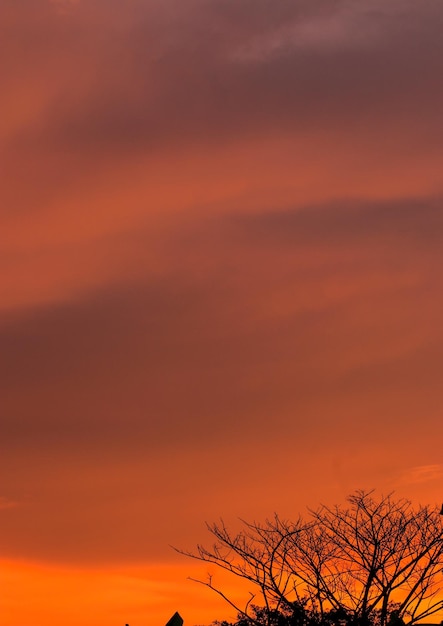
(374,561)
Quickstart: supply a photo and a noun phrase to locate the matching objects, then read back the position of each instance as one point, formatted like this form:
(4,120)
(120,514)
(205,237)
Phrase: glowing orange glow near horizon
(38,593)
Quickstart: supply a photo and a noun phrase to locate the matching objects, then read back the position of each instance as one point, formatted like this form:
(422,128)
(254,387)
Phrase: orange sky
(221,244)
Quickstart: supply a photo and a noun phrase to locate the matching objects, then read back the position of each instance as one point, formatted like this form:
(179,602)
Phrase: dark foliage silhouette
(298,615)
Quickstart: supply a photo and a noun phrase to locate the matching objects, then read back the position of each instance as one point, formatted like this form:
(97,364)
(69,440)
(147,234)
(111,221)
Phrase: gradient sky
(221,293)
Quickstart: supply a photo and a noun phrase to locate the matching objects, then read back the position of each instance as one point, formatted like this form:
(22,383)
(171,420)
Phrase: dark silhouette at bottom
(176,620)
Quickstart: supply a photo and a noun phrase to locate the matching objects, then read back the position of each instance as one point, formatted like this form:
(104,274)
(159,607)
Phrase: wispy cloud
(422,474)
(6,503)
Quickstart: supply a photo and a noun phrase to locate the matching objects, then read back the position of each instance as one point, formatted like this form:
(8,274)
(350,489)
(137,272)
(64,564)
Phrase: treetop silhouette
(372,562)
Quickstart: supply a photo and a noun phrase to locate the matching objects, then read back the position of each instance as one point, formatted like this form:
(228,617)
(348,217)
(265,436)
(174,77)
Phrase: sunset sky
(221,248)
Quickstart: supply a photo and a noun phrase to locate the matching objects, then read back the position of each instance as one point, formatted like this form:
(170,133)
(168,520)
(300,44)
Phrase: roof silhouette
(176,620)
